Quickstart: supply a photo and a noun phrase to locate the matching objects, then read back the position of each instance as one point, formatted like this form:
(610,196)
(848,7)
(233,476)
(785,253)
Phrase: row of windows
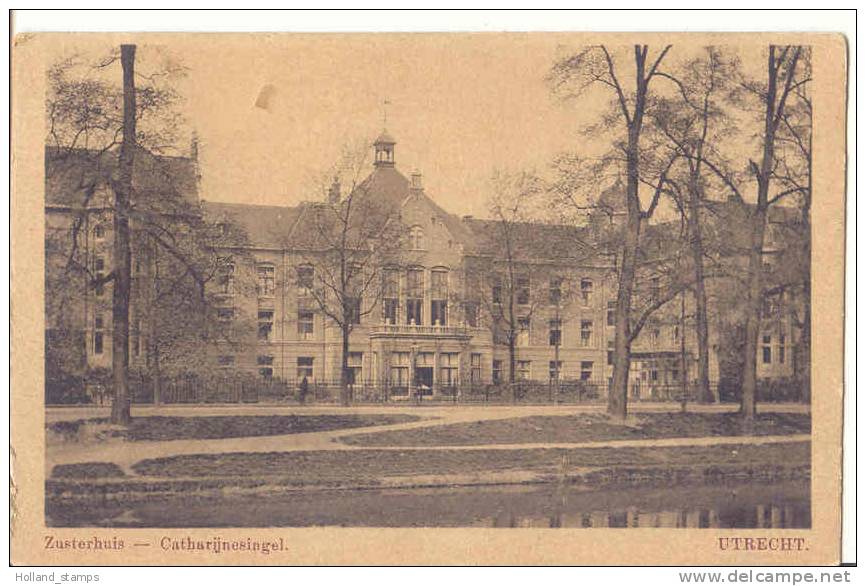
(523,370)
(523,290)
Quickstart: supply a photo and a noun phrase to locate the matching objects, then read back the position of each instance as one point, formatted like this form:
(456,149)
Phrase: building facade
(430,333)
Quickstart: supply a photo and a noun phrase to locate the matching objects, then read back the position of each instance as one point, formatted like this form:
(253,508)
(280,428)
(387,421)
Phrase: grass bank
(161,428)
(586,428)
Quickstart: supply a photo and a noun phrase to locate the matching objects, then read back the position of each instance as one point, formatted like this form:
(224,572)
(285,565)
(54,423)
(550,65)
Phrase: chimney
(334,191)
(416,184)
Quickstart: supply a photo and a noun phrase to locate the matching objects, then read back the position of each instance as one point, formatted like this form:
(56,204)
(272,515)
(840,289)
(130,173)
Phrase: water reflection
(762,516)
(771,506)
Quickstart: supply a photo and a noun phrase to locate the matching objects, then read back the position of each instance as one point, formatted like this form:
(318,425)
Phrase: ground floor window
(266,366)
(766,350)
(524,369)
(475,365)
(355,363)
(586,370)
(497,371)
(400,369)
(305,367)
(555,369)
(448,369)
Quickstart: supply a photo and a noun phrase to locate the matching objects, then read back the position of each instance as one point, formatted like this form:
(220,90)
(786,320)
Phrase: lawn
(229,426)
(586,428)
(366,466)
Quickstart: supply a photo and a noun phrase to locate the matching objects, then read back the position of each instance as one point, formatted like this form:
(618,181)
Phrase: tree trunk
(344,368)
(617,398)
(754,294)
(512,365)
(120,410)
(705,395)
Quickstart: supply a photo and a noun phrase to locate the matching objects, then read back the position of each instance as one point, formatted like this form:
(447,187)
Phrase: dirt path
(125,454)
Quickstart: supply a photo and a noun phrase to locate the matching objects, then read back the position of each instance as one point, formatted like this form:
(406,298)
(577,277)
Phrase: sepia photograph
(501,282)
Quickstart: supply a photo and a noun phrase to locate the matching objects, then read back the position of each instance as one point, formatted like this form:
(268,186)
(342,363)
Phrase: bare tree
(165,252)
(788,76)
(694,123)
(347,244)
(570,77)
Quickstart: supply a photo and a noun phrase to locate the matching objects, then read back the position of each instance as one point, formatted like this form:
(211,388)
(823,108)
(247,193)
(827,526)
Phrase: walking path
(125,454)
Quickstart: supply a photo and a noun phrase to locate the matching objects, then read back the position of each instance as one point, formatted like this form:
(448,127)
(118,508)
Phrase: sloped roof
(531,240)
(265,226)
(74,177)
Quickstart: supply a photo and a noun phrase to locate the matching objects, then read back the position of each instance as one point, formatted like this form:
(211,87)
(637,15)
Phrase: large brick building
(425,333)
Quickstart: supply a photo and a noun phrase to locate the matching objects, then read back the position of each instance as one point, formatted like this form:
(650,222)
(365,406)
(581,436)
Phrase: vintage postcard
(491,298)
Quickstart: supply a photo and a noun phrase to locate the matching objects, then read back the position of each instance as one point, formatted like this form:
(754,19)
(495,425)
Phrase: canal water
(780,505)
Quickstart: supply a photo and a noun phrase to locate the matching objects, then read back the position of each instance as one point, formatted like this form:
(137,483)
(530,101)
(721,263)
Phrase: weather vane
(385,105)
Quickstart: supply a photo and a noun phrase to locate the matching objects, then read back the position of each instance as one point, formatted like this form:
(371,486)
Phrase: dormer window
(416,238)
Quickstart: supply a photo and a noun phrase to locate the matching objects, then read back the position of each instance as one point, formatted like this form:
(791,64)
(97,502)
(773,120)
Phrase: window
(524,325)
(448,368)
(413,312)
(439,283)
(554,369)
(522,290)
(266,369)
(586,291)
(438,294)
(355,365)
(266,283)
(475,368)
(305,367)
(610,357)
(266,325)
(353,308)
(98,334)
(99,276)
(305,280)
(497,371)
(226,279)
(585,332)
(99,232)
(414,296)
(524,369)
(390,294)
(781,349)
(389,311)
(416,238)
(555,290)
(400,369)
(555,332)
(471,314)
(766,350)
(305,324)
(438,312)
(225,314)
(586,370)
(655,288)
(611,313)
(496,290)
(225,361)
